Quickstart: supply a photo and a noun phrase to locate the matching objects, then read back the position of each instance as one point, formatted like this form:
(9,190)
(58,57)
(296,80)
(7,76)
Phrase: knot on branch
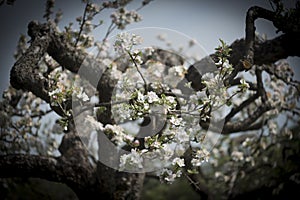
(23,74)
(36,29)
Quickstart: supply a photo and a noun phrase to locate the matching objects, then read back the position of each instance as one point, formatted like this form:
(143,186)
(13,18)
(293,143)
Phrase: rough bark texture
(73,167)
(261,54)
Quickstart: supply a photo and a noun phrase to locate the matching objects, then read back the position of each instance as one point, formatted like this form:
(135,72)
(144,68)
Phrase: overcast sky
(205,21)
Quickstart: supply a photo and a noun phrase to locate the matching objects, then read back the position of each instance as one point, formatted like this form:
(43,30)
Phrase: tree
(177,109)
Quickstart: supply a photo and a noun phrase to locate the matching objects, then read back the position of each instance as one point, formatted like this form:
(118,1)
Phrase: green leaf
(228,103)
(101,109)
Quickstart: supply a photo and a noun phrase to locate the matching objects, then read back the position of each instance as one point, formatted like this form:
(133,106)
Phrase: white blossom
(103,48)
(196,162)
(123,17)
(175,120)
(202,155)
(237,156)
(180,149)
(171,99)
(272,127)
(93,7)
(218,174)
(152,97)
(82,95)
(168,151)
(140,97)
(53,92)
(182,136)
(125,41)
(131,160)
(207,77)
(251,160)
(246,142)
(169,176)
(149,51)
(118,130)
(180,70)
(170,103)
(244,85)
(178,161)
(93,122)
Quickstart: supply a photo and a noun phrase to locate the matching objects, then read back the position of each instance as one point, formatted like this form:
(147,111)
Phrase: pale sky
(205,21)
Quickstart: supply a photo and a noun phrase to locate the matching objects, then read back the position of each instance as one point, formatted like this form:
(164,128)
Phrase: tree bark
(73,167)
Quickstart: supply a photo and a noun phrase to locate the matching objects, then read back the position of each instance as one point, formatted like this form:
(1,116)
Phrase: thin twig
(241,106)
(90,106)
(195,184)
(110,29)
(82,24)
(138,70)
(42,113)
(112,26)
(260,86)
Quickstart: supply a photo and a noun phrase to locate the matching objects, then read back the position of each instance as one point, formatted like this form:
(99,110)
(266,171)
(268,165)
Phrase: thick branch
(65,53)
(244,125)
(78,177)
(267,52)
(24,75)
(73,167)
(240,107)
(260,85)
(276,49)
(30,166)
(236,81)
(252,14)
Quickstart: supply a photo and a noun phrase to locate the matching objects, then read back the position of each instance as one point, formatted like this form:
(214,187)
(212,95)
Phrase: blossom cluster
(147,89)
(115,4)
(125,42)
(22,129)
(160,101)
(146,95)
(201,155)
(122,17)
(62,89)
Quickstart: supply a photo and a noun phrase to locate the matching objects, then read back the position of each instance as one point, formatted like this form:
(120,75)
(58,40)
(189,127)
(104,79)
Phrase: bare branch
(244,104)
(83,21)
(244,125)
(260,87)
(198,185)
(252,14)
